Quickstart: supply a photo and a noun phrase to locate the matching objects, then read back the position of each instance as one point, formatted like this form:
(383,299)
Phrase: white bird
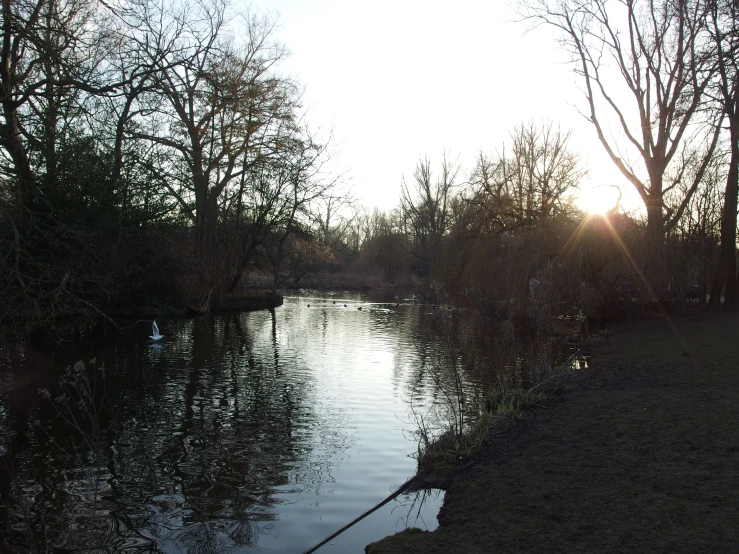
(155,331)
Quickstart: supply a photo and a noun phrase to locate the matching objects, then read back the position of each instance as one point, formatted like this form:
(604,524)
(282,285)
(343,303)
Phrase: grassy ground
(637,454)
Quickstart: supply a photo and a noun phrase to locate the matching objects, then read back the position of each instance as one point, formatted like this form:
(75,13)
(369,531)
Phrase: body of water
(260,431)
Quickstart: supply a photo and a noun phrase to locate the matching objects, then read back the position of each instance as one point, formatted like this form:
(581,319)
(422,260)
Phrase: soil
(638,453)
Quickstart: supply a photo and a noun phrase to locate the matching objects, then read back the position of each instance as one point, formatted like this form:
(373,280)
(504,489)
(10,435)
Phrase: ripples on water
(262,430)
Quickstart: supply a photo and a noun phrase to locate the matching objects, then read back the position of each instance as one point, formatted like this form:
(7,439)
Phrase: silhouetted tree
(724,46)
(639,66)
(217,108)
(425,207)
(532,183)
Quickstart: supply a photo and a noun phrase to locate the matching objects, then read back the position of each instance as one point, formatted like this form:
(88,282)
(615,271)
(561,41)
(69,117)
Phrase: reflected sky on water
(249,431)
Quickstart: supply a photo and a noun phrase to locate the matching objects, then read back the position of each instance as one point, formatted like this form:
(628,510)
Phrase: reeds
(462,422)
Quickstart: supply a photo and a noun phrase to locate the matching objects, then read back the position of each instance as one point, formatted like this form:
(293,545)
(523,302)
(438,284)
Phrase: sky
(396,81)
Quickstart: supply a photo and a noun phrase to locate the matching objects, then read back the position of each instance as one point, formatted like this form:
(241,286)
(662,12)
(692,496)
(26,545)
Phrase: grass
(469,422)
(468,430)
(638,454)
(496,413)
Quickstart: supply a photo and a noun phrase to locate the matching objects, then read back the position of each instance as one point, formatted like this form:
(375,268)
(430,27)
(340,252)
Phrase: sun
(599,200)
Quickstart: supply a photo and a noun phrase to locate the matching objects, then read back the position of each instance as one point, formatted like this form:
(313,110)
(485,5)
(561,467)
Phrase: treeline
(152,152)
(508,239)
(660,82)
(661,87)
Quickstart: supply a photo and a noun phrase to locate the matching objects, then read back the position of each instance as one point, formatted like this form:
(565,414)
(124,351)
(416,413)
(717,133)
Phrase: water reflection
(264,430)
(155,348)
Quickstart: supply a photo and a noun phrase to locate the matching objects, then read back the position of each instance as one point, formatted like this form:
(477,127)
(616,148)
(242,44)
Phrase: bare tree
(216,107)
(305,186)
(384,244)
(426,208)
(364,226)
(333,216)
(699,231)
(52,68)
(533,182)
(51,59)
(723,24)
(276,200)
(640,70)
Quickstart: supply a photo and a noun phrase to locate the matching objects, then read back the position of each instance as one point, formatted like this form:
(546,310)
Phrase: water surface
(262,431)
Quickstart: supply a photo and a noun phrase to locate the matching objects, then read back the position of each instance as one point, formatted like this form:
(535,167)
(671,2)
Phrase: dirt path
(638,454)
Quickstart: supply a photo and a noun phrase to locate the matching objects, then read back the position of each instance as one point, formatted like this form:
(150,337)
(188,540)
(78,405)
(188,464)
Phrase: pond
(260,431)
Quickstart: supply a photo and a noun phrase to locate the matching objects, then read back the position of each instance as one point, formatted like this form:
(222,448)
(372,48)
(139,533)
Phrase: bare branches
(426,206)
(640,69)
(533,181)
(219,109)
(117,114)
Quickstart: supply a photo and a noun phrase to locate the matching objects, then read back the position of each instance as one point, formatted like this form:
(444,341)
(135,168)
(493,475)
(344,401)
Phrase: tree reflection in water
(264,430)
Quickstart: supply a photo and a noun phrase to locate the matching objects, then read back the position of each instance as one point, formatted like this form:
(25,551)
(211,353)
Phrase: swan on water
(155,331)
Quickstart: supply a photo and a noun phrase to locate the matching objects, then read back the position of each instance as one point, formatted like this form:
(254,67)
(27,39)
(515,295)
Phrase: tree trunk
(241,265)
(210,232)
(202,194)
(25,192)
(726,271)
(277,264)
(206,218)
(654,267)
(200,208)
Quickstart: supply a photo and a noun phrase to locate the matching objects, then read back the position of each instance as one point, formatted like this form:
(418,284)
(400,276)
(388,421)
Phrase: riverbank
(639,453)
(246,301)
(340,280)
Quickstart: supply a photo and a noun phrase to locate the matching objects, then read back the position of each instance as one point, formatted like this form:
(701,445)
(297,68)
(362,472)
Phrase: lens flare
(598,200)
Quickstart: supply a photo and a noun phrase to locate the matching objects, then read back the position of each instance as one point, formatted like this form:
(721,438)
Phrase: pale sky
(399,80)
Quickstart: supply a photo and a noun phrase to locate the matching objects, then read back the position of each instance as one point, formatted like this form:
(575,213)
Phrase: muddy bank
(639,453)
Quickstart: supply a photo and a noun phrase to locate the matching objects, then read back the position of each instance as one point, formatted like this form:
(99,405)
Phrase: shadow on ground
(638,454)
